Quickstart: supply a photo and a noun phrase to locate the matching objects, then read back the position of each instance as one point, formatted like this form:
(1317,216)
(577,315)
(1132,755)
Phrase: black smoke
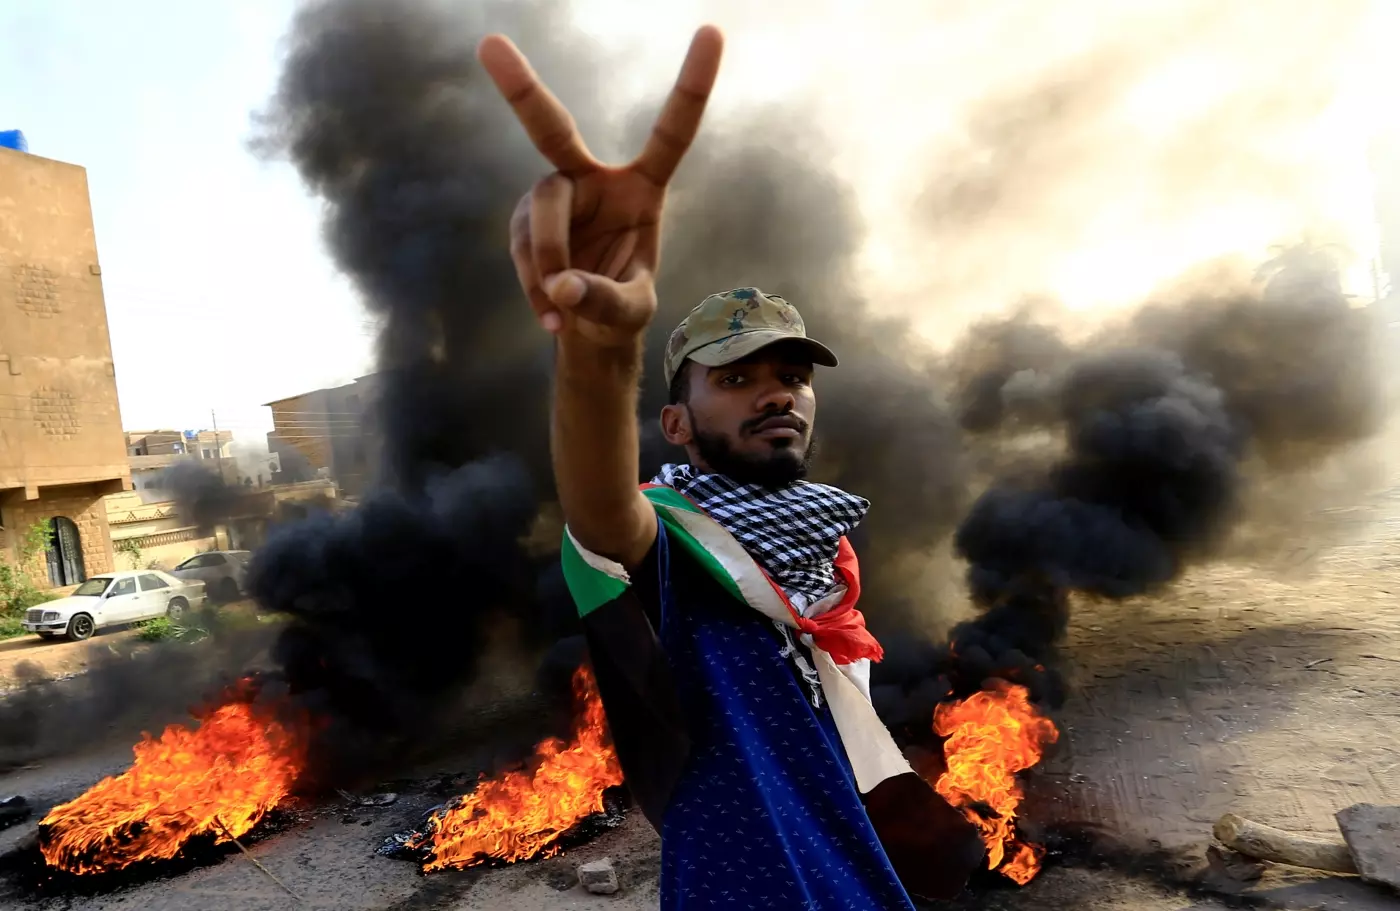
(201,494)
(1164,424)
(128,687)
(387,117)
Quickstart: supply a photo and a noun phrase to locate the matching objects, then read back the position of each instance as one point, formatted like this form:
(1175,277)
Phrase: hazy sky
(219,295)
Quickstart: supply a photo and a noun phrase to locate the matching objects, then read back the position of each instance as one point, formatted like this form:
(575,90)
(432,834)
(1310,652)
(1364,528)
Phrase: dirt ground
(1272,695)
(54,657)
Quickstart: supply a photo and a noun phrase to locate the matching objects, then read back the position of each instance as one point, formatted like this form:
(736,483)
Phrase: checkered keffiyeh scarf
(792,531)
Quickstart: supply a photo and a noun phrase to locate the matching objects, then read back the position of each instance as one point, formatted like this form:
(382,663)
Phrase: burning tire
(176,608)
(80,627)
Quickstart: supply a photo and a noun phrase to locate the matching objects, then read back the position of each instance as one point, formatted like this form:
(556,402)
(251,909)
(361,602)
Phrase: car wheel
(176,608)
(227,592)
(80,627)
(46,635)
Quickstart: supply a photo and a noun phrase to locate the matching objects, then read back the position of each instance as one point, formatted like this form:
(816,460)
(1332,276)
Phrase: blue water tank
(13,139)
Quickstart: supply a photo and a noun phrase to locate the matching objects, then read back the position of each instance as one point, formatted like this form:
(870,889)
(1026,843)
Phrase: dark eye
(795,379)
(731,379)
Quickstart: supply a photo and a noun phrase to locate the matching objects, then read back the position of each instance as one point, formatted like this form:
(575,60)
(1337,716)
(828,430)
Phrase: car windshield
(94,586)
(191,563)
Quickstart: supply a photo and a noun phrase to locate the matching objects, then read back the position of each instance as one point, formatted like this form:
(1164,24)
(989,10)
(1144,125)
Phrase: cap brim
(738,347)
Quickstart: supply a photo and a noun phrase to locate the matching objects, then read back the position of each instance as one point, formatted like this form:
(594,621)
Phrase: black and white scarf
(792,531)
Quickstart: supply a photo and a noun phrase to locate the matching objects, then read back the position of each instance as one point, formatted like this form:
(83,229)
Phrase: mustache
(777,418)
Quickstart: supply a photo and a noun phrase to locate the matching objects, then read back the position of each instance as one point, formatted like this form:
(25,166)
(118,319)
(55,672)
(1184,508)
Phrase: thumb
(602,300)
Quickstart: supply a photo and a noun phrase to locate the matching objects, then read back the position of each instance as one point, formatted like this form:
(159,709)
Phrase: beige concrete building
(151,452)
(158,536)
(329,433)
(62,448)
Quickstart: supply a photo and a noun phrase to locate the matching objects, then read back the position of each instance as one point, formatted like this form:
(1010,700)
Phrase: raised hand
(586,239)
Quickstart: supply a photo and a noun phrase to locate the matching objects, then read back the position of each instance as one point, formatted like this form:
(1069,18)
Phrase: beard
(779,468)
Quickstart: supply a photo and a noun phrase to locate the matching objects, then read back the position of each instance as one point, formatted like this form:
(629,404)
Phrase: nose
(775,396)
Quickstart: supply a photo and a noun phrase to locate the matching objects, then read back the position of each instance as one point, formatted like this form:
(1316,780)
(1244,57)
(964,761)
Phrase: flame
(992,735)
(220,778)
(520,815)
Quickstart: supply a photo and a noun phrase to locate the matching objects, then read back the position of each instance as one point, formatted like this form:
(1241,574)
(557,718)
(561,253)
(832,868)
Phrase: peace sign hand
(586,240)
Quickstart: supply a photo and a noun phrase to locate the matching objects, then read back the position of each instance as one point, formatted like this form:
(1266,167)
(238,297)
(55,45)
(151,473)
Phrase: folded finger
(551,211)
(523,258)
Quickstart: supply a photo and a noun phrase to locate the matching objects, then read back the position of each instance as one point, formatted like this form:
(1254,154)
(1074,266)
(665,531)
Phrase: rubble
(12,810)
(1228,871)
(598,876)
(1373,834)
(371,800)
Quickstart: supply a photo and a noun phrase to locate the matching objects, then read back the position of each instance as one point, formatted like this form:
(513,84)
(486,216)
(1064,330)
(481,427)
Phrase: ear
(675,425)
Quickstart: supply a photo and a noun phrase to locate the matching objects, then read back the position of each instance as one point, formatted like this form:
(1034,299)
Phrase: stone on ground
(1373,834)
(598,876)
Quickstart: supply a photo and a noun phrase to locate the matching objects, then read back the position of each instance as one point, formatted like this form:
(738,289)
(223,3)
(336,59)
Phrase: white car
(112,599)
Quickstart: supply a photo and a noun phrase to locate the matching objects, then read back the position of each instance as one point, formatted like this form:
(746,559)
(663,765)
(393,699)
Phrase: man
(719,600)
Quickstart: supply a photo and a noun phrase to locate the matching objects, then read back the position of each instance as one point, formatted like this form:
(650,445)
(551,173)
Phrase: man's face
(750,420)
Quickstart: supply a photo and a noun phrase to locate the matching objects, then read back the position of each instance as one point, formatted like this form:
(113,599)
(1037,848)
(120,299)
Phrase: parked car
(221,571)
(112,599)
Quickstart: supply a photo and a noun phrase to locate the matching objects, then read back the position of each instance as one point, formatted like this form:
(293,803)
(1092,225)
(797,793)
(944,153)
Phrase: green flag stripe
(592,583)
(590,587)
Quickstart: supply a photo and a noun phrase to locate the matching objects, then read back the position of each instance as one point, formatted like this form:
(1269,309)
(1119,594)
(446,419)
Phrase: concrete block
(598,876)
(1373,835)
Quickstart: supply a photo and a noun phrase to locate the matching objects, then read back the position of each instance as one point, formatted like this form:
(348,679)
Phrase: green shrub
(16,590)
(158,629)
(10,628)
(131,549)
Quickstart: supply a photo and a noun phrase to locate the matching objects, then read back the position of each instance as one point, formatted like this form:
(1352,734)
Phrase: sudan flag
(624,646)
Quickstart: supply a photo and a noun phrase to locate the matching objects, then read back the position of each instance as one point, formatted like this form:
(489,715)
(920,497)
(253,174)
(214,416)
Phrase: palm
(614,228)
(586,240)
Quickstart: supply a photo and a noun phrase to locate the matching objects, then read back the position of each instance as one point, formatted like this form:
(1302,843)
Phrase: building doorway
(65,553)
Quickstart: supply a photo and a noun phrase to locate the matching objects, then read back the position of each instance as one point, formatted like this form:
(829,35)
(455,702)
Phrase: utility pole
(218,454)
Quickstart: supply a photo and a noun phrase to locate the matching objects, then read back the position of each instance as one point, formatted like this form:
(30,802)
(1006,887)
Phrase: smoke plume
(1222,390)
(127,687)
(201,495)
(386,115)
(1077,467)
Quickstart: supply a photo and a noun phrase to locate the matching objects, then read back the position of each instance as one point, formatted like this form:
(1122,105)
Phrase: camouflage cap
(734,324)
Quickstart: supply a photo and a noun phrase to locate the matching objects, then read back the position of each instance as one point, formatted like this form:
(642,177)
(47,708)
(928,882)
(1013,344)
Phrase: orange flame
(992,735)
(219,779)
(520,814)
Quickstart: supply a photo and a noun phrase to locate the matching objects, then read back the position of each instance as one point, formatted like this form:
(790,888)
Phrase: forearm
(595,448)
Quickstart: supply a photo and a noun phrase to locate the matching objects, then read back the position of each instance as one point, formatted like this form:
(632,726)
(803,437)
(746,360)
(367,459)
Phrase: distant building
(327,433)
(61,443)
(151,452)
(155,442)
(156,534)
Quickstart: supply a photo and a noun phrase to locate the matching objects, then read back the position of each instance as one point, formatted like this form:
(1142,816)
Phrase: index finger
(546,120)
(680,119)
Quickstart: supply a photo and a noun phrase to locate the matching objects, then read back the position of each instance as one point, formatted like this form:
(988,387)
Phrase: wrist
(622,355)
